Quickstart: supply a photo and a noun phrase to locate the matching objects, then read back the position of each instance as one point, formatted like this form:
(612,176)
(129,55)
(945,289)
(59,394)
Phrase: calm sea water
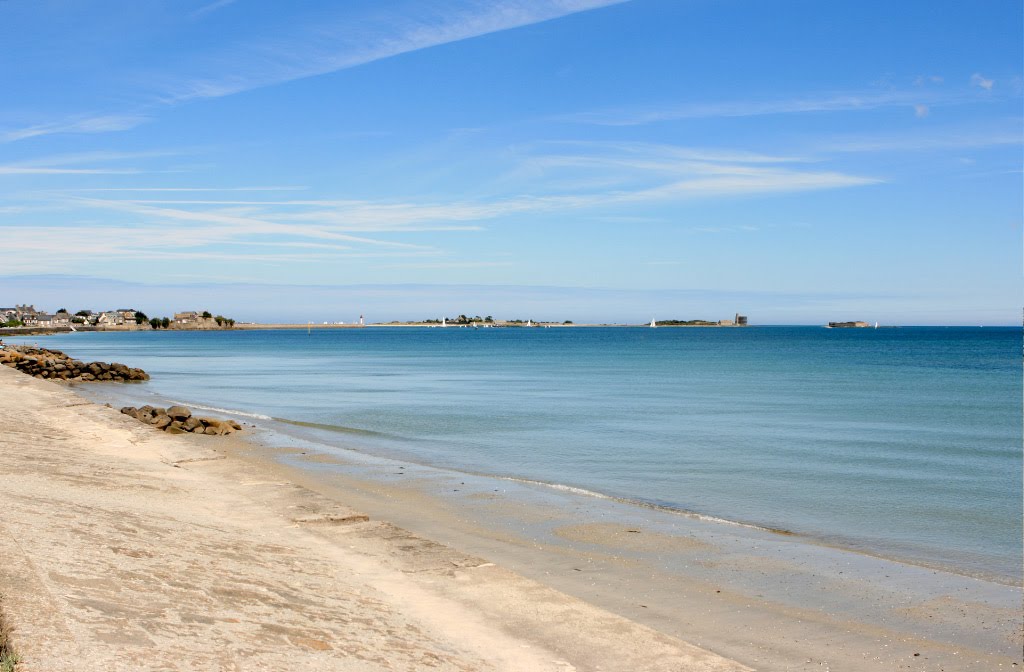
(901,442)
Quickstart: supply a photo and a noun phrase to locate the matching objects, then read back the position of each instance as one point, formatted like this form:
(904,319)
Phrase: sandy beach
(123,548)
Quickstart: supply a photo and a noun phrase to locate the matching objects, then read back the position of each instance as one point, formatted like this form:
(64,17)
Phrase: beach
(127,549)
(131,549)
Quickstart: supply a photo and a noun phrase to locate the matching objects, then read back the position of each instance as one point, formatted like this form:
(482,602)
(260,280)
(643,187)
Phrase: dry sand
(123,548)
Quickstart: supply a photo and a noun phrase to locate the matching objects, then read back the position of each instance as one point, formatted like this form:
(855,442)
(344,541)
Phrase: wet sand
(771,601)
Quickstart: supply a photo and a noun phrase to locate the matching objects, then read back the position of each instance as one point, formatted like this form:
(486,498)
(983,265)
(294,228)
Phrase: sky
(797,161)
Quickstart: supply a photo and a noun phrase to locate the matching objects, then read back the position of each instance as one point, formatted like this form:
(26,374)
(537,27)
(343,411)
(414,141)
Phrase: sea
(898,442)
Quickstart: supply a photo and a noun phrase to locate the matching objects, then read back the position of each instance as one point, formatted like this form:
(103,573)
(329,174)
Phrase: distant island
(847,325)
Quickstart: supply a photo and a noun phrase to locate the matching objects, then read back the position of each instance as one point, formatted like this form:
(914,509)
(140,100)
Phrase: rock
(179,412)
(174,430)
(191,424)
(131,410)
(162,421)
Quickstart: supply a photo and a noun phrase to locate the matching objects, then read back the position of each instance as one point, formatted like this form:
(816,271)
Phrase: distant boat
(654,324)
(529,323)
(444,321)
(876,325)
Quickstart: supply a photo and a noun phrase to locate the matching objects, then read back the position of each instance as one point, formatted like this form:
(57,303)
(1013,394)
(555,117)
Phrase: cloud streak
(319,48)
(95,124)
(837,102)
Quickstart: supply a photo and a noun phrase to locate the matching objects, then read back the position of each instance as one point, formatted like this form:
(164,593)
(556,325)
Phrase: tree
(77,319)
(84,313)
(488,319)
(140,317)
(13,322)
(155,323)
(207,315)
(166,322)
(63,310)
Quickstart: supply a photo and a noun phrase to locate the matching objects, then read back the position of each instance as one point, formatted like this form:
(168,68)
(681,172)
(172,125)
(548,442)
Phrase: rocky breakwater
(179,420)
(55,365)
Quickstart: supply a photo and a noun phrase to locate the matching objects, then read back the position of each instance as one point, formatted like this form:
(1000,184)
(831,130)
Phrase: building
(22,313)
(186,318)
(110,318)
(741,320)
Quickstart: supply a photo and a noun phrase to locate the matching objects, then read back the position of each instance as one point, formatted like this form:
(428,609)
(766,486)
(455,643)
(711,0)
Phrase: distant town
(122,319)
(22,317)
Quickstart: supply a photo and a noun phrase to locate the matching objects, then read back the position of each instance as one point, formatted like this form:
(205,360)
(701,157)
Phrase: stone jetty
(55,365)
(179,420)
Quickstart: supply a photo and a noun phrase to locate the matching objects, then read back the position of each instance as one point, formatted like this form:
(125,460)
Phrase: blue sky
(558,159)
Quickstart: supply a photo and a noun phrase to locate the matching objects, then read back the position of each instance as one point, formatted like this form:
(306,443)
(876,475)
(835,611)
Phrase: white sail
(653,324)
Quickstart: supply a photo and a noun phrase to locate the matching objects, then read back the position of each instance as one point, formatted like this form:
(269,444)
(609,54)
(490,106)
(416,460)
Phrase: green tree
(84,313)
(207,315)
(166,322)
(155,323)
(140,317)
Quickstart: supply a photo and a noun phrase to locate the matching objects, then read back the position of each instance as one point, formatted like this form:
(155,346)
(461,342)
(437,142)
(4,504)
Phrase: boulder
(179,412)
(162,421)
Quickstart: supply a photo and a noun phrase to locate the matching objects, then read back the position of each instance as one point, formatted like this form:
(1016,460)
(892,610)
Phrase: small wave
(225,410)
(561,487)
(341,429)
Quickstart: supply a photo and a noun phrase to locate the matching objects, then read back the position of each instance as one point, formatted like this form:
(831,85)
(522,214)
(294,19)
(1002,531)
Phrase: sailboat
(876,325)
(654,324)
(444,321)
(529,323)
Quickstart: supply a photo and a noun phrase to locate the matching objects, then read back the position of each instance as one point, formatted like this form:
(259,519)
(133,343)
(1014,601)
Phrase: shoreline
(765,599)
(111,529)
(327,437)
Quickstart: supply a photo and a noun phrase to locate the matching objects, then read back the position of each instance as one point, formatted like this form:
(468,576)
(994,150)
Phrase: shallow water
(899,442)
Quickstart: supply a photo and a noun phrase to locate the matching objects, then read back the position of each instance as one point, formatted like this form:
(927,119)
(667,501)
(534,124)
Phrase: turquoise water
(899,442)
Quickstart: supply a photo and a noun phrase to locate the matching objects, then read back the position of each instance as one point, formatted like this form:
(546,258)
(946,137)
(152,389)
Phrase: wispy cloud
(983,82)
(211,7)
(96,124)
(318,48)
(921,111)
(623,172)
(1003,134)
(834,102)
